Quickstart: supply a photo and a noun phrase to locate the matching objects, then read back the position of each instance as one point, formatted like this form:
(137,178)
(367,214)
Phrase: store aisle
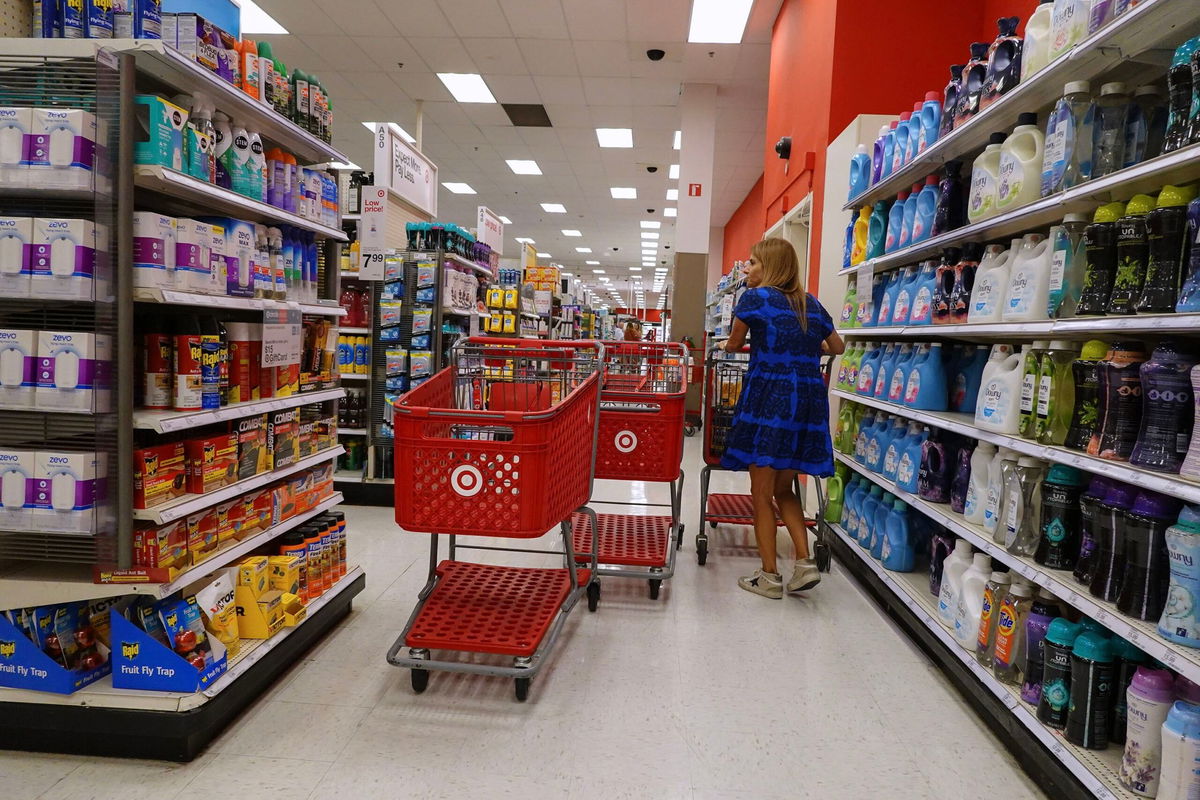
(708,693)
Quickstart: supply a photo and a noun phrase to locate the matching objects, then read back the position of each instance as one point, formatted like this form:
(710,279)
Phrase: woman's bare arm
(737,336)
(833,345)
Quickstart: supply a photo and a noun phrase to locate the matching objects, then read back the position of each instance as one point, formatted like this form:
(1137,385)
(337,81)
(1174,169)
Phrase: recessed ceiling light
(467,87)
(649,235)
(405,135)
(719,21)
(651,224)
(615,137)
(571,233)
(458,188)
(506,220)
(649,252)
(521,167)
(544,255)
(596,271)
(678,138)
(583,249)
(636,269)
(591,262)
(624,193)
(670,212)
(672,194)
(255,20)
(674,172)
(568,274)
(344,165)
(554,208)
(524,240)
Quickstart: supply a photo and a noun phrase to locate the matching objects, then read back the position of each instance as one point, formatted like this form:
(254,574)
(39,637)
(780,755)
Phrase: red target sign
(625,441)
(466,480)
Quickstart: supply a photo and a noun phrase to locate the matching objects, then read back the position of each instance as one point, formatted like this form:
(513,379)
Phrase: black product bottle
(1133,251)
(1085,414)
(1166,228)
(973,76)
(1108,528)
(1147,565)
(943,285)
(933,480)
(1055,701)
(1100,248)
(1089,507)
(1179,90)
(1127,659)
(950,103)
(1119,412)
(1058,547)
(1004,61)
(1194,125)
(1168,409)
(964,282)
(951,213)
(1092,677)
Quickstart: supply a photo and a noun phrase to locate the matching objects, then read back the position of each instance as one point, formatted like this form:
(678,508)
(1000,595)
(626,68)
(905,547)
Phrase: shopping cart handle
(534,344)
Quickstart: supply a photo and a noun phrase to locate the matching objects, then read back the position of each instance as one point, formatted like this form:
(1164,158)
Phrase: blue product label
(99,19)
(72,19)
(147,19)
(1179,618)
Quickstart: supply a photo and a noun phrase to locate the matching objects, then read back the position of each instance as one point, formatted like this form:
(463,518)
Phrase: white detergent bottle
(981,461)
(1035,54)
(998,407)
(1070,25)
(1029,281)
(970,600)
(990,291)
(1180,775)
(985,181)
(952,571)
(995,488)
(1021,165)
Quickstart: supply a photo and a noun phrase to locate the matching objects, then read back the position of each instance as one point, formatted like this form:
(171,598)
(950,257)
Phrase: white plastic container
(66,488)
(952,571)
(998,407)
(1070,25)
(1021,159)
(63,146)
(989,294)
(74,371)
(1035,54)
(981,461)
(1029,281)
(14,146)
(63,259)
(193,256)
(1180,775)
(985,181)
(970,601)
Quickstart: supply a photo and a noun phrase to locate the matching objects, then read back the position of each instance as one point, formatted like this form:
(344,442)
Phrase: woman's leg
(791,511)
(762,490)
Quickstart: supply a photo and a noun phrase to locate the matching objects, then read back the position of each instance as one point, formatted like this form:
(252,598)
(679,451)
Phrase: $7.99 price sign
(283,339)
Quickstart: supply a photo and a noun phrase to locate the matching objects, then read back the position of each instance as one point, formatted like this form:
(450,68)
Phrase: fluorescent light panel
(589,263)
(670,212)
(597,271)
(571,233)
(255,20)
(554,208)
(678,139)
(521,167)
(467,87)
(583,249)
(636,269)
(719,21)
(624,193)
(458,188)
(506,220)
(649,235)
(615,137)
(651,224)
(672,194)
(544,255)
(405,135)
(674,172)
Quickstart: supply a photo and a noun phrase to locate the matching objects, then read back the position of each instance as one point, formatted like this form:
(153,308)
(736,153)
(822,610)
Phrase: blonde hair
(781,270)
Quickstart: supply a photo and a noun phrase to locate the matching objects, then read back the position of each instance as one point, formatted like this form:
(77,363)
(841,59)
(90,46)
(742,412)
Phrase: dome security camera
(615,249)
(649,210)
(652,169)
(654,54)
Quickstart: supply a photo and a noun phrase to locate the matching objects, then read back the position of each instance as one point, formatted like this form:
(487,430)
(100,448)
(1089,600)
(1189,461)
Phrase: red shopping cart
(641,439)
(499,444)
(724,375)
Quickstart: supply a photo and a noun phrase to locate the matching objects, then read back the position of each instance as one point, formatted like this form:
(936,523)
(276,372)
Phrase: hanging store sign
(372,231)
(400,167)
(490,230)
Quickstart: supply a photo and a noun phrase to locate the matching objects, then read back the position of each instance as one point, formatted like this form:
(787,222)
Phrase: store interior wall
(744,228)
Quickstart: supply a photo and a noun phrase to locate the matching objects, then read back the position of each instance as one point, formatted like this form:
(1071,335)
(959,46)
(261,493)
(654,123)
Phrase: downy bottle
(1055,700)
(1085,413)
(989,616)
(899,551)
(1009,656)
(1089,509)
(969,607)
(1035,53)
(910,217)
(964,283)
(976,499)
(902,309)
(926,210)
(1120,409)
(973,76)
(989,295)
(998,406)
(1166,233)
(1029,282)
(985,179)
(866,515)
(1147,702)
(1180,620)
(1068,263)
(1030,368)
(943,286)
(1108,528)
(1021,159)
(879,527)
(883,378)
(931,121)
(925,388)
(860,236)
(964,392)
(1069,26)
(1042,614)
(1145,125)
(1058,547)
(922,296)
(1002,466)
(1068,150)
(1179,91)
(952,205)
(1108,155)
(896,448)
(897,433)
(1056,392)
(950,102)
(1100,249)
(1167,408)
(877,229)
(900,141)
(933,479)
(864,432)
(941,545)
(864,312)
(1023,512)
(898,380)
(1092,681)
(889,149)
(1147,565)
(895,226)
(878,287)
(1100,13)
(908,471)
(1003,62)
(1189,294)
(952,571)
(867,371)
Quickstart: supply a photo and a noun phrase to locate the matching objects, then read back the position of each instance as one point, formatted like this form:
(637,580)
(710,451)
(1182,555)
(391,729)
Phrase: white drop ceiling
(585,60)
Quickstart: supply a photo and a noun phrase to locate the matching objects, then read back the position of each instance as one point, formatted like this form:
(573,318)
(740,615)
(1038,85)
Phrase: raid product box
(212,462)
(16,250)
(256,512)
(162,551)
(254,455)
(159,474)
(203,534)
(231,518)
(283,437)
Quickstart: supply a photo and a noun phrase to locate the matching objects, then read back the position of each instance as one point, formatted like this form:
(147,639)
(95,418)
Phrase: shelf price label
(282,336)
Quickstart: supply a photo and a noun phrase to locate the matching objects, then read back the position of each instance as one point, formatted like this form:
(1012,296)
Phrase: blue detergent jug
(931,121)
(910,216)
(879,531)
(908,471)
(901,143)
(850,505)
(891,458)
(927,203)
(899,553)
(888,304)
(860,172)
(889,149)
(864,435)
(890,351)
(902,308)
(895,226)
(866,517)
(926,287)
(877,229)
(968,375)
(844,518)
(926,388)
(875,446)
(868,368)
(899,377)
(878,286)
(848,245)
(895,432)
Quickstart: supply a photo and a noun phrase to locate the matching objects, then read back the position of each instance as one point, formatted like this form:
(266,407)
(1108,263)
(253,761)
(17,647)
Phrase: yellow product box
(259,617)
(253,575)
(294,610)
(510,323)
(512,298)
(495,297)
(285,573)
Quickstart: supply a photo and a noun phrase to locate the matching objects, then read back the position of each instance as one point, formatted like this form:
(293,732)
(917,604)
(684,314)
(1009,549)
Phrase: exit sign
(695,190)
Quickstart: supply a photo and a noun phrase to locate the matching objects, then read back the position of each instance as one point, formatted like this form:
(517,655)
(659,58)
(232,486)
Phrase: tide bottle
(1058,546)
(1042,614)
(1167,408)
(973,76)
(900,141)
(859,236)
(1068,261)
(950,101)
(1035,54)
(1029,281)
(1055,403)
(1180,620)
(1003,62)
(910,217)
(1092,681)
(1068,150)
(1100,252)
(989,615)
(860,172)
(1147,703)
(1055,700)
(976,500)
(969,608)
(998,406)
(1009,655)
(989,296)
(964,283)
(1166,227)
(951,213)
(1086,407)
(877,229)
(1120,408)
(985,178)
(895,226)
(925,285)
(1021,159)
(931,121)
(926,210)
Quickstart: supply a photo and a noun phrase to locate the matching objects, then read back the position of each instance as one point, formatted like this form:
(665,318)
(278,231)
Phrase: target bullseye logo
(625,441)
(467,481)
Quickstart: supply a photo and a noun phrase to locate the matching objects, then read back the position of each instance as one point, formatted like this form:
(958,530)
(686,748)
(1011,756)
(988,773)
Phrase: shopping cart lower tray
(629,546)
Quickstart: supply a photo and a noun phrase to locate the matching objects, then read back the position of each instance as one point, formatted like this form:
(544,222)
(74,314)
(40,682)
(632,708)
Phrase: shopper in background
(632,333)
(781,424)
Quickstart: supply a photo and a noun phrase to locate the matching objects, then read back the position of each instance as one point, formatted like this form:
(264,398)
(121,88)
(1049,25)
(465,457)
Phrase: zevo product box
(18,367)
(17,470)
(155,250)
(240,247)
(212,462)
(162,551)
(158,138)
(62,259)
(16,252)
(15,125)
(194,259)
(254,575)
(65,147)
(74,371)
(284,573)
(67,488)
(230,519)
(254,455)
(203,535)
(283,437)
(159,474)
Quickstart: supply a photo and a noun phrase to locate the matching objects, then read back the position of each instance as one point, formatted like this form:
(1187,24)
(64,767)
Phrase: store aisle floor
(709,692)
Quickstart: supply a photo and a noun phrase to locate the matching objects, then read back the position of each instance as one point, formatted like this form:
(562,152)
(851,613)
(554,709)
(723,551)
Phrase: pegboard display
(16,18)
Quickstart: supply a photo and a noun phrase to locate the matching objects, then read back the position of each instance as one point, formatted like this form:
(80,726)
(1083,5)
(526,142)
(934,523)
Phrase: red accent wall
(646,314)
(744,228)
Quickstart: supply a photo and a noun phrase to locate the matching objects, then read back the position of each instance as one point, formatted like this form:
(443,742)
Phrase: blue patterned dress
(782,415)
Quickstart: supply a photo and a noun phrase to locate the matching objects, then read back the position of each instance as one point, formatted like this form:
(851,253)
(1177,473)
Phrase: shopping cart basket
(641,439)
(724,375)
(500,444)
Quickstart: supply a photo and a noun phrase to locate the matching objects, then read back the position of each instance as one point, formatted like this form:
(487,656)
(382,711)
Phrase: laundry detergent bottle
(1042,614)
(985,181)
(931,121)
(925,285)
(943,286)
(952,571)
(902,309)
(896,448)
(1147,563)
(1100,254)
(1030,366)
(1055,403)
(1085,413)
(1023,511)
(973,77)
(1029,282)
(989,297)
(989,615)
(1004,62)
(1180,620)
(964,282)
(1001,469)
(964,389)
(1058,547)
(968,609)
(899,548)
(926,387)
(1191,463)
(926,210)
(951,213)
(981,459)
(1120,407)
(889,149)
(1021,159)
(908,471)
(1166,232)
(999,397)
(1055,700)
(860,172)
(1068,262)
(900,141)
(910,217)
(1167,408)
(895,226)
(1009,656)
(1179,778)
(1068,148)
(1092,683)
(1035,54)
(950,99)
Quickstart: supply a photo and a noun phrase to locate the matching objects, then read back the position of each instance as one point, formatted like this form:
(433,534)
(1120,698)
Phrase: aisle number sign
(402,168)
(282,336)
(490,230)
(372,232)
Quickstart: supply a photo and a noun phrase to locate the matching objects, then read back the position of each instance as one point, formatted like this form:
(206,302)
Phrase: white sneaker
(805,576)
(768,584)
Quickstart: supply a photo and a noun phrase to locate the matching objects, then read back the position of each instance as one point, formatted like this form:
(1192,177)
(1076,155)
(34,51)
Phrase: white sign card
(402,168)
(371,231)
(490,230)
(283,340)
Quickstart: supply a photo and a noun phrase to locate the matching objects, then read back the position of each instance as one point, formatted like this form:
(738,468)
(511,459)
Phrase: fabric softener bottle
(1004,62)
(1168,409)
(1120,407)
(1085,414)
(1133,251)
(1092,681)
(1055,699)
(1166,229)
(1100,254)
(1180,620)
(1147,565)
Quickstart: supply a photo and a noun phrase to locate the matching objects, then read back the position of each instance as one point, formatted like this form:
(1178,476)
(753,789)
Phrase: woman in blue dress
(781,424)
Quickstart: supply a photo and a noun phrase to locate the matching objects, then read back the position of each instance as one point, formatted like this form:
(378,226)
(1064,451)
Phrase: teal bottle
(910,216)
(895,226)
(890,292)
(908,471)
(866,517)
(890,351)
(877,226)
(864,431)
(968,375)
(926,388)
(850,505)
(879,530)
(927,202)
(902,308)
(891,457)
(876,446)
(895,431)
(899,551)
(899,379)
(868,370)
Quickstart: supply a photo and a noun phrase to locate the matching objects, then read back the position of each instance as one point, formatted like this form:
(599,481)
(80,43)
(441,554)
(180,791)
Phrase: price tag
(1170,658)
(373,263)
(1134,636)
(1057,748)
(282,336)
(1102,616)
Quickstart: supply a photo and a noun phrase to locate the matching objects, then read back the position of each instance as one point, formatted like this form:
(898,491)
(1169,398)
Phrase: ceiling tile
(507,136)
(569,116)
(607,91)
(514,89)
(340,52)
(414,18)
(537,19)
(654,91)
(668,19)
(589,19)
(495,56)
(549,56)
(444,54)
(476,18)
(361,18)
(559,90)
(487,114)
(422,86)
(601,59)
(299,16)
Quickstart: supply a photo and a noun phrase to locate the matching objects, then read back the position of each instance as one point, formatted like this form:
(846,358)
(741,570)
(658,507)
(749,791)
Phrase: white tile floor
(709,692)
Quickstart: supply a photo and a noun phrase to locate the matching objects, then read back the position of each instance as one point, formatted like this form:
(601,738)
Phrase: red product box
(162,551)
(256,512)
(231,518)
(212,462)
(203,531)
(159,475)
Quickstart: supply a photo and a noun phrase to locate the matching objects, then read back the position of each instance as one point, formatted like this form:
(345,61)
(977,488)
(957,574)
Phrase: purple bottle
(962,479)
(877,156)
(1120,409)
(1108,529)
(1167,409)
(1147,565)
(933,481)
(941,544)
(1045,610)
(1089,503)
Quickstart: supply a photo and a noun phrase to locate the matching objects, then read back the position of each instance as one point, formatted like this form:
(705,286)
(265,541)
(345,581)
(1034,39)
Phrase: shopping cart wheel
(655,586)
(420,680)
(823,556)
(593,595)
(523,689)
(701,550)
(712,525)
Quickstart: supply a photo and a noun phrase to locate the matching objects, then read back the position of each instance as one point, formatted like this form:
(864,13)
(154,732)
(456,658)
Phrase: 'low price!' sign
(283,336)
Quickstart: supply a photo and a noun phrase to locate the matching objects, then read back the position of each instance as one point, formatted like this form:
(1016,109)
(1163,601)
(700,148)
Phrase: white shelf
(351,217)
(354,331)
(348,275)
(1075,327)
(347,476)
(1165,483)
(352,431)
(101,694)
(354,376)
(180,298)
(191,503)
(1144,634)
(462,312)
(168,421)
(203,198)
(1141,34)
(1096,769)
